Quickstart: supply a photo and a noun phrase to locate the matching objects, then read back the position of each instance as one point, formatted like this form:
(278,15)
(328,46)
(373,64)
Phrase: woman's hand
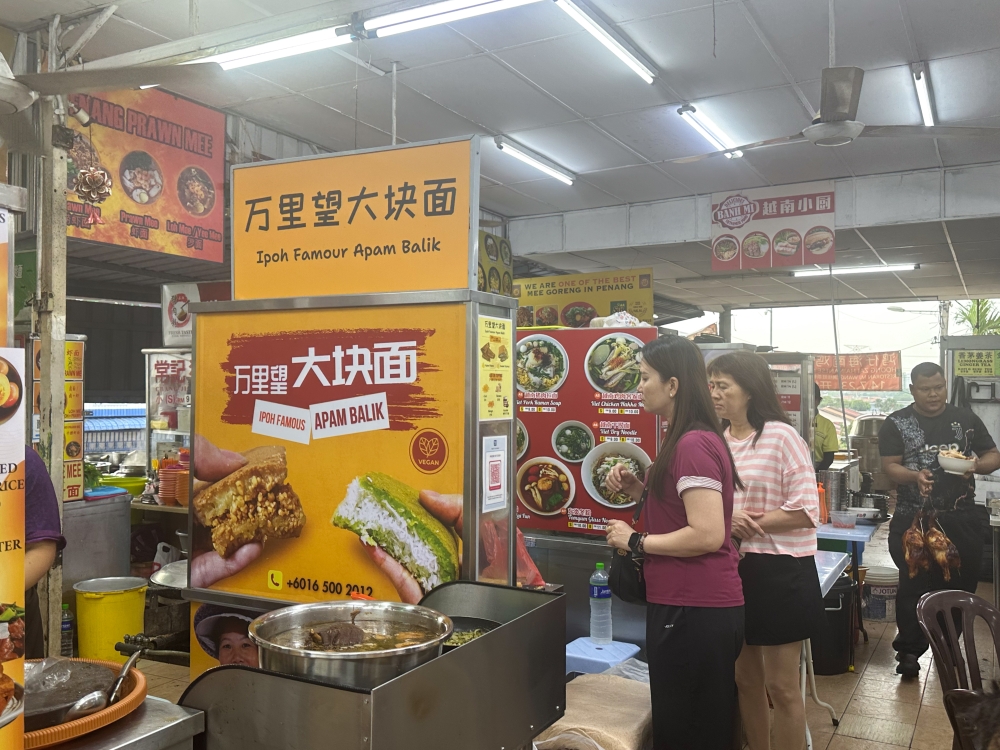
(744,526)
(619,532)
(620,479)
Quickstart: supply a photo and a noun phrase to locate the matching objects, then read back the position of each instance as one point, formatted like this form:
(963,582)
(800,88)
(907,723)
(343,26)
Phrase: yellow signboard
(977,363)
(73,368)
(347,419)
(574,300)
(496,369)
(391,220)
(73,445)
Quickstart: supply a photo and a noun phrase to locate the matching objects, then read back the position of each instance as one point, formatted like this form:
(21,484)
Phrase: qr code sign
(495,469)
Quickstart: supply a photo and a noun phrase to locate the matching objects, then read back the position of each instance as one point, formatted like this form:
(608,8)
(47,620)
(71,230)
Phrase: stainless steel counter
(156,725)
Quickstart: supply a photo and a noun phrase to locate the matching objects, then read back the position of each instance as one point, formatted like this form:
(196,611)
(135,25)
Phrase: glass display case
(168,403)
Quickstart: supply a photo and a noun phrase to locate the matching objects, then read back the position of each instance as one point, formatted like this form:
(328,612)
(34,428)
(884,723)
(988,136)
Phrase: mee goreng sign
(867,371)
(773,227)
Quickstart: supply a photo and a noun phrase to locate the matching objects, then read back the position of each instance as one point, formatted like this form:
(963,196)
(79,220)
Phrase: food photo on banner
(573,300)
(579,413)
(329,453)
(165,157)
(773,227)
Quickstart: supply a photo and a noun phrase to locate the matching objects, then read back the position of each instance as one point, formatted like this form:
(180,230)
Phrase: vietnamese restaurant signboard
(773,227)
(867,371)
(166,159)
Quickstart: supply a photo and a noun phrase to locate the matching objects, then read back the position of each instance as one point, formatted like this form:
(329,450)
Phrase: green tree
(981,315)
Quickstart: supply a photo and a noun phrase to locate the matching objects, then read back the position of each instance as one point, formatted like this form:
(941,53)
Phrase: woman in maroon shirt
(694,615)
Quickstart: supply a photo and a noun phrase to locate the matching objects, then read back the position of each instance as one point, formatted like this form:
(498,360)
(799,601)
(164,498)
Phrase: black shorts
(783,601)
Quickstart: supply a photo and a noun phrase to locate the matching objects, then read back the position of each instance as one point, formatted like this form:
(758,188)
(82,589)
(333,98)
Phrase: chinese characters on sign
(977,363)
(383,221)
(73,445)
(773,227)
(867,371)
(496,369)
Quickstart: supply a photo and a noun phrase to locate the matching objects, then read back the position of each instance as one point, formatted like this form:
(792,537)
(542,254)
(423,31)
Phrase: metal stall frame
(807,376)
(476,304)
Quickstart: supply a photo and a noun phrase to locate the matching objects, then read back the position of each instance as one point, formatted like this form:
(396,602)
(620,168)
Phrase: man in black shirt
(909,443)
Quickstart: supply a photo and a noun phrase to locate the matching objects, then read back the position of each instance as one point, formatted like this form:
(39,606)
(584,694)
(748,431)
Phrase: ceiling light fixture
(535,160)
(436,14)
(922,85)
(293,45)
(581,12)
(849,270)
(710,131)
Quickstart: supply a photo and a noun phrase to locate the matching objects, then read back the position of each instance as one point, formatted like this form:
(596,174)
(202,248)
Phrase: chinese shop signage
(868,371)
(573,300)
(395,220)
(977,363)
(773,227)
(166,159)
(73,445)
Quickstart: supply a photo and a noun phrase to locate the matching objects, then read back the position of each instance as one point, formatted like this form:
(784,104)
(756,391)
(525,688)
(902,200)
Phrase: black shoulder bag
(626,578)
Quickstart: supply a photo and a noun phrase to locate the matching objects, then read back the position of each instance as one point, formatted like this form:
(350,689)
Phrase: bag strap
(639,505)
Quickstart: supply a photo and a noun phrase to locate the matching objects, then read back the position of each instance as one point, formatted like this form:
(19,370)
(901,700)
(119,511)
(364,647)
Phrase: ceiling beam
(89,32)
(129,270)
(954,257)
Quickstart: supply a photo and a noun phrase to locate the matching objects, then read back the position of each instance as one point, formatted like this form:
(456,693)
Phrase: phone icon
(275,580)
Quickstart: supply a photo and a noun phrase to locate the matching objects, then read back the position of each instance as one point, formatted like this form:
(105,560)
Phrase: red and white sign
(773,227)
(867,371)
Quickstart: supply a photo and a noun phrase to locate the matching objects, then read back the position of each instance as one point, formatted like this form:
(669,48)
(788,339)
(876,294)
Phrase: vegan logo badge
(429,451)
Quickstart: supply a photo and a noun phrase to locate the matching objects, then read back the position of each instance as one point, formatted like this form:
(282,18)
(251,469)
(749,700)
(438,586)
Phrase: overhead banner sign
(574,300)
(391,220)
(166,159)
(773,227)
(869,371)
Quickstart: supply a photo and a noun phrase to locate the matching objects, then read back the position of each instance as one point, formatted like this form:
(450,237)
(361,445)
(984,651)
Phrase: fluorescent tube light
(711,132)
(858,269)
(923,95)
(293,45)
(603,32)
(436,14)
(535,160)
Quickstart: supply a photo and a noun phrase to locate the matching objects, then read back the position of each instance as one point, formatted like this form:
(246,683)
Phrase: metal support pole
(52,330)
(726,324)
(393,102)
(944,313)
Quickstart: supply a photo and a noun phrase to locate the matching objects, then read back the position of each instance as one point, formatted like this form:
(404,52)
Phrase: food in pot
(578,314)
(787,242)
(573,442)
(545,486)
(386,513)
(253,504)
(725,248)
(541,365)
(819,240)
(461,637)
(603,467)
(525,316)
(613,364)
(6,689)
(547,316)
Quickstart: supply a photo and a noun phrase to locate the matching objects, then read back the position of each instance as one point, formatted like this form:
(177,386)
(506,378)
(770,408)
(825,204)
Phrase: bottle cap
(600,566)
(65,606)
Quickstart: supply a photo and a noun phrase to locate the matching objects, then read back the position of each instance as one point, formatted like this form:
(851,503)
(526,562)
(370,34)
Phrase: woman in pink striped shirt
(775,520)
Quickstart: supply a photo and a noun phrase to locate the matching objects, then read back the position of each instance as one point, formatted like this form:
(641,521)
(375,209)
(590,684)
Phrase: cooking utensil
(46,708)
(113,693)
(89,704)
(354,669)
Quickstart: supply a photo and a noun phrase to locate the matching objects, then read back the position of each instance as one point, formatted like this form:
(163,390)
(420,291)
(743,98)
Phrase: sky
(864,328)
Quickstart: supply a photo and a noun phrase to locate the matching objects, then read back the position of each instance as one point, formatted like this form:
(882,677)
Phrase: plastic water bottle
(600,606)
(68,627)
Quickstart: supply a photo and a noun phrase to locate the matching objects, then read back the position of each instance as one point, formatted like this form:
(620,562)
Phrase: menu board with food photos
(579,413)
(496,265)
(573,300)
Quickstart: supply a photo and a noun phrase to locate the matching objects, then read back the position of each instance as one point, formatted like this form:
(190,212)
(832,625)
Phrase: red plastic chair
(961,681)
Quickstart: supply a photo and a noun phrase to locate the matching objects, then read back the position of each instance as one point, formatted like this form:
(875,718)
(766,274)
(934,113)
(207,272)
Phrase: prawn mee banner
(573,300)
(12,556)
(773,227)
(579,413)
(166,159)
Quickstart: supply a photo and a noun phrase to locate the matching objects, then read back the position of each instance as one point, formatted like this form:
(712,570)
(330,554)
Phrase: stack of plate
(183,487)
(168,485)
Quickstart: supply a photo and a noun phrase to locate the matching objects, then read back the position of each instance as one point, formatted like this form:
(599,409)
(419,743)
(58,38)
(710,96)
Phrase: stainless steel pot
(365,669)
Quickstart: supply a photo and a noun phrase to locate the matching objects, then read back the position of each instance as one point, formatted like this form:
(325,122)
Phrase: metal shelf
(139,505)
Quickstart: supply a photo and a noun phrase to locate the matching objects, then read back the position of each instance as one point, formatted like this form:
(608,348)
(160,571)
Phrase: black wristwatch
(635,542)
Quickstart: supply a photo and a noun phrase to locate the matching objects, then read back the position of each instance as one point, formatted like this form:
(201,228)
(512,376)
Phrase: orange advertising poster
(74,360)
(73,445)
(166,159)
(74,400)
(12,602)
(347,431)
(392,220)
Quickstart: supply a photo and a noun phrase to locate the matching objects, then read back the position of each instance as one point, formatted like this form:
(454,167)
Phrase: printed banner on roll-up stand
(865,371)
(391,220)
(773,227)
(348,428)
(573,300)
(166,159)
(12,601)
(578,414)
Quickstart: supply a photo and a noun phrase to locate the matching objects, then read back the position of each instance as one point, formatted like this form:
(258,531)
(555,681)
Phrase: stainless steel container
(359,669)
(834,484)
(867,425)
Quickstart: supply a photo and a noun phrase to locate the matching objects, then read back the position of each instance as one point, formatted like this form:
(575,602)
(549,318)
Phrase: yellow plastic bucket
(108,609)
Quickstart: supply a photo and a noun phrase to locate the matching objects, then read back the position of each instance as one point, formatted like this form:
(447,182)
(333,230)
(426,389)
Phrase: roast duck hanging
(922,547)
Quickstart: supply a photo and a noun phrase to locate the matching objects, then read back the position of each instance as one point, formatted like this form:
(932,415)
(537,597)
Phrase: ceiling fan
(18,93)
(836,124)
